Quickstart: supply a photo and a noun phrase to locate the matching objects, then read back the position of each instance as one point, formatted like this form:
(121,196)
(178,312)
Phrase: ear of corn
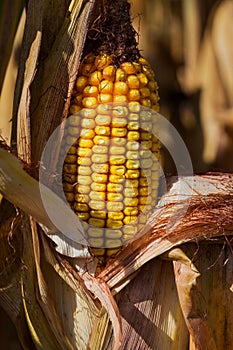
(110,173)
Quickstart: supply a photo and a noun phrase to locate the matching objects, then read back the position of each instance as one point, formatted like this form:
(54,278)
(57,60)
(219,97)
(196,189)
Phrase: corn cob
(110,175)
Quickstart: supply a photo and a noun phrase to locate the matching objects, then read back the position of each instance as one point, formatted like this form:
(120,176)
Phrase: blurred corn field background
(189,45)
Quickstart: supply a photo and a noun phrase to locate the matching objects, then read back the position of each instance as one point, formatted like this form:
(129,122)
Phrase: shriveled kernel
(109,72)
(81,83)
(120,75)
(146,102)
(78,99)
(144,191)
(114,197)
(145,136)
(72,150)
(114,206)
(152,85)
(95,78)
(114,223)
(114,187)
(89,102)
(85,143)
(74,109)
(143,181)
(113,215)
(70,178)
(145,92)
(154,97)
(81,207)
(118,132)
(90,91)
(98,214)
(102,61)
(96,222)
(105,98)
(106,87)
(97,186)
(70,168)
(134,95)
(142,79)
(97,196)
(70,196)
(71,158)
(103,119)
(81,198)
(70,140)
(86,68)
(146,144)
(97,205)
(84,170)
(101,178)
(102,130)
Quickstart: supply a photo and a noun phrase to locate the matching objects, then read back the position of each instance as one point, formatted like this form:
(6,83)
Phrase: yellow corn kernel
(81,83)
(120,111)
(114,197)
(90,91)
(83,152)
(143,181)
(145,200)
(87,123)
(84,180)
(72,150)
(98,186)
(96,242)
(117,169)
(114,215)
(134,95)
(87,133)
(117,159)
(81,207)
(100,168)
(132,164)
(88,113)
(131,192)
(84,216)
(81,198)
(132,155)
(133,135)
(129,68)
(112,243)
(82,189)
(99,158)
(119,122)
(115,206)
(95,78)
(84,161)
(100,178)
(106,87)
(100,149)
(146,163)
(114,187)
(70,196)
(131,183)
(101,140)
(129,231)
(134,106)
(78,99)
(74,109)
(133,81)
(132,146)
(97,196)
(96,222)
(114,223)
(142,79)
(145,92)
(130,202)
(133,125)
(104,98)
(144,191)
(103,119)
(132,174)
(109,73)
(118,141)
(97,205)
(98,214)
(120,88)
(85,143)
(146,102)
(118,132)
(116,150)
(102,130)
(113,234)
(131,211)
(89,102)
(130,220)
(84,170)
(120,75)
(120,98)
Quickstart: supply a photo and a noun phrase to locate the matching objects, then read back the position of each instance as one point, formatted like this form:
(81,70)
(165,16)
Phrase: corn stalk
(156,293)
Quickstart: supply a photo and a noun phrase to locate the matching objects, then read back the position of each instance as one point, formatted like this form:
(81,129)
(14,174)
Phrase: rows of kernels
(106,168)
